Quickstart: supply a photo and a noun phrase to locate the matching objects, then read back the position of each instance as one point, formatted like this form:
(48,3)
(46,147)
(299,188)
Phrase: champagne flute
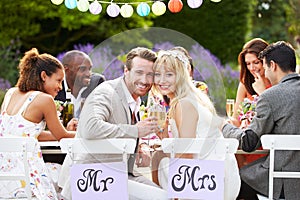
(159,111)
(229,107)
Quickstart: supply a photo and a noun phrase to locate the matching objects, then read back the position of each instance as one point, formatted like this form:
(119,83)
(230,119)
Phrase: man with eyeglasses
(79,81)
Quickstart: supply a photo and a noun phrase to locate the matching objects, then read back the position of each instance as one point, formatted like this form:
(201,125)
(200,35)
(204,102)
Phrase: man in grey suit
(278,112)
(111,111)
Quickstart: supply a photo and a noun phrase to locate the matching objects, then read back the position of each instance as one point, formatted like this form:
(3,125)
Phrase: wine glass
(158,111)
(229,107)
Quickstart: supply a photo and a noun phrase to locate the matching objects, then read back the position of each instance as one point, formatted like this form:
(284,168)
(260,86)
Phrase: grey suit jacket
(278,112)
(105,114)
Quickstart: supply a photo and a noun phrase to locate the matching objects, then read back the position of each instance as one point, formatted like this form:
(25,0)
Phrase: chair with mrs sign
(204,176)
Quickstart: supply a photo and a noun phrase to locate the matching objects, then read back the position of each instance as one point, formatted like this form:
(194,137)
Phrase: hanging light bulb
(57,2)
(194,3)
(113,10)
(216,1)
(158,8)
(71,4)
(126,10)
(143,9)
(95,8)
(175,6)
(83,5)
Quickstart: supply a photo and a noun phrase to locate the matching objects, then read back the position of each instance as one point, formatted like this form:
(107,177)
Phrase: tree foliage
(54,28)
(219,27)
(270,20)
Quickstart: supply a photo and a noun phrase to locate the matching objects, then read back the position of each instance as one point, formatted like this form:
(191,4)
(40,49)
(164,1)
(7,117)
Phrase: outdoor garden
(212,31)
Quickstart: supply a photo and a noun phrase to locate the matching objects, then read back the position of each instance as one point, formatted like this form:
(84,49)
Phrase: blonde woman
(187,102)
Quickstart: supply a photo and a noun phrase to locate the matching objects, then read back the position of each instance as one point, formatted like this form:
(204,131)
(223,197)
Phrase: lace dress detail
(17,126)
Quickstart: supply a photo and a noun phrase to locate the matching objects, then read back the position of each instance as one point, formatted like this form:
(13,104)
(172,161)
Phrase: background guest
(250,68)
(252,82)
(277,112)
(78,79)
(25,111)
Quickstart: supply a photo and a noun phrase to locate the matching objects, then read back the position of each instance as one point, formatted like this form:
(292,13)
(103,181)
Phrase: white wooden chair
(222,146)
(22,145)
(193,145)
(274,143)
(80,146)
(100,146)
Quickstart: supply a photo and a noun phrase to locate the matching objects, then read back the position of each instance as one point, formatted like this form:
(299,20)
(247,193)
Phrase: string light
(143,9)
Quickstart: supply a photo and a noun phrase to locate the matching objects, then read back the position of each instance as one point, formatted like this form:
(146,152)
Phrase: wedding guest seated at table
(277,112)
(112,111)
(25,111)
(187,102)
(252,74)
(252,83)
(78,79)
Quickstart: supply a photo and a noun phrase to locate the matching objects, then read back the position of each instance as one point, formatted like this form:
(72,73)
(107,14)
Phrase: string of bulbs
(126,10)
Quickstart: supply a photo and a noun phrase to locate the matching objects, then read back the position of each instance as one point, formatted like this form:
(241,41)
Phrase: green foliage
(54,29)
(219,27)
(2,94)
(9,60)
(270,20)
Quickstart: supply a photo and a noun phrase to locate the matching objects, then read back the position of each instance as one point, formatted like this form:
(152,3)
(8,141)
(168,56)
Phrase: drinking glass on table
(229,107)
(158,111)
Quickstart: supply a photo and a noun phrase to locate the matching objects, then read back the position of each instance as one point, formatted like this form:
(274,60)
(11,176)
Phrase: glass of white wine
(229,107)
(158,111)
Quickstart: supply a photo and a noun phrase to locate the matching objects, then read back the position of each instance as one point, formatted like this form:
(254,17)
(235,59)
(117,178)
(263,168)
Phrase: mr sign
(99,181)
(196,179)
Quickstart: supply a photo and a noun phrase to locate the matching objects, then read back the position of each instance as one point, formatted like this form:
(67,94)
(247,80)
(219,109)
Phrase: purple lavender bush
(4,86)
(222,80)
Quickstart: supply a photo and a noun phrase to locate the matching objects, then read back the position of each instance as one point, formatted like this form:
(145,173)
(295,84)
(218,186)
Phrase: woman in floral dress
(25,111)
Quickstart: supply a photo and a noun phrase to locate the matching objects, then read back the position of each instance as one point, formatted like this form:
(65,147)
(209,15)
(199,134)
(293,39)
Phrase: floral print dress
(17,126)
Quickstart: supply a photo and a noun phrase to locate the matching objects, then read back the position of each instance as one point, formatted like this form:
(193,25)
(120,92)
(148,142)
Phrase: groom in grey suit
(111,111)
(278,112)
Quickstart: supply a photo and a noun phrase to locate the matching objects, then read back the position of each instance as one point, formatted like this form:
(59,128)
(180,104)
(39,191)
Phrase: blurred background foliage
(222,28)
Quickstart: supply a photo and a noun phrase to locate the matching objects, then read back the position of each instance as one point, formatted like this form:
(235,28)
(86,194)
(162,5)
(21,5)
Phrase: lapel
(120,91)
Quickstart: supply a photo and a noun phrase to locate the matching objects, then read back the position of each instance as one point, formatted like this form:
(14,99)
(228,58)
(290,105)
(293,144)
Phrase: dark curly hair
(31,67)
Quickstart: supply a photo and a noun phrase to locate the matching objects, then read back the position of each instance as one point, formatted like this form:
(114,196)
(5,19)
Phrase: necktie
(131,159)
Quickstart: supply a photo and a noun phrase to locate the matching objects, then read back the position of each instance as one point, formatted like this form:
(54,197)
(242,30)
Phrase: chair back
(99,146)
(194,145)
(211,156)
(22,145)
(98,180)
(279,142)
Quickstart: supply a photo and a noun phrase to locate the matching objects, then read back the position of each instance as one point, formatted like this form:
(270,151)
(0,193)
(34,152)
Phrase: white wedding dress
(207,127)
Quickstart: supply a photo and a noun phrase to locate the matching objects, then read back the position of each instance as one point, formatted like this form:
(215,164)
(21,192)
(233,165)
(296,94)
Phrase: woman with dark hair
(25,111)
(252,82)
(252,74)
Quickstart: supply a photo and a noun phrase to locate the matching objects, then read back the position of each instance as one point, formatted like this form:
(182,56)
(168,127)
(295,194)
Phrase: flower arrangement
(59,106)
(247,109)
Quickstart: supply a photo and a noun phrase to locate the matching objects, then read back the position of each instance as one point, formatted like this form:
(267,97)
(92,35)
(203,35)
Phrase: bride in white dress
(191,115)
